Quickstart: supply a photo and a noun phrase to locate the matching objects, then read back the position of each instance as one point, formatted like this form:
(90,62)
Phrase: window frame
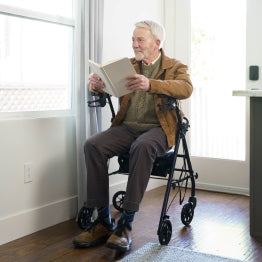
(53,19)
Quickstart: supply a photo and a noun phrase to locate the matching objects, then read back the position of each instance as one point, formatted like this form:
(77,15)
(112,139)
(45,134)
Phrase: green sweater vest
(141,113)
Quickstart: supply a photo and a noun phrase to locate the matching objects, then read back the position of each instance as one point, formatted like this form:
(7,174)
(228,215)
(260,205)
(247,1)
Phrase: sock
(128,215)
(104,213)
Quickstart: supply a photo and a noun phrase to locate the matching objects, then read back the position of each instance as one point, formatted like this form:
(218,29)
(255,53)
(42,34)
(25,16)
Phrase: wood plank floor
(220,226)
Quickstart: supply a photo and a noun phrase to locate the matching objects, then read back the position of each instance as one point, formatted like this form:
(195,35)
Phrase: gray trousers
(143,148)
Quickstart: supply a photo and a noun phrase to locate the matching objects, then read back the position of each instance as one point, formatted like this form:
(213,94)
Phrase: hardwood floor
(220,226)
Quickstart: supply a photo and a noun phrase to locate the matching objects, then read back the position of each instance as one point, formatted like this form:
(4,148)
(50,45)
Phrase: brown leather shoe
(121,238)
(97,233)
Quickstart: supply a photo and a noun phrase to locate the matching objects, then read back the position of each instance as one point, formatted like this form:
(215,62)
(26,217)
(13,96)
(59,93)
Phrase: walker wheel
(84,217)
(187,213)
(118,200)
(165,232)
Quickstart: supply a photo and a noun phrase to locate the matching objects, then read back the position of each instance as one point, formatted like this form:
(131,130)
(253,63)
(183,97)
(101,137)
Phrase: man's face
(144,45)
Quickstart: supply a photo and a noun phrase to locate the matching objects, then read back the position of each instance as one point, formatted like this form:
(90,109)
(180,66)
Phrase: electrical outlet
(28,172)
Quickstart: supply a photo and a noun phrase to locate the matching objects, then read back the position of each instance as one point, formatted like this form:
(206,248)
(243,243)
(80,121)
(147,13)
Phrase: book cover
(113,74)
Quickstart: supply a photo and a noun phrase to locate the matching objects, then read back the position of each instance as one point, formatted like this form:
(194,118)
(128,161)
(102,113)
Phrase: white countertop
(248,93)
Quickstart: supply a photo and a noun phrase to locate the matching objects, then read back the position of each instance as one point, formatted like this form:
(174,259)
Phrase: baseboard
(33,220)
(223,188)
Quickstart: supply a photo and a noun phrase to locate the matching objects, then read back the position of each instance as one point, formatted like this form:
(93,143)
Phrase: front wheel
(187,213)
(165,232)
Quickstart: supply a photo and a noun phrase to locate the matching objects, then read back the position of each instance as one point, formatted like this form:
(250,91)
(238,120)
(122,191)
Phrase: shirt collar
(154,60)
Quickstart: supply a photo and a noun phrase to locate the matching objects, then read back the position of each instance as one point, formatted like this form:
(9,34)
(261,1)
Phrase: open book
(114,75)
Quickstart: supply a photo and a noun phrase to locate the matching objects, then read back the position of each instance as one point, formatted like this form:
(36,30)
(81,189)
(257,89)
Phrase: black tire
(165,232)
(84,217)
(118,200)
(187,213)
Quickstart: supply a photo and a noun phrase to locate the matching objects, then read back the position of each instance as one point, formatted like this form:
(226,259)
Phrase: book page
(113,74)
(97,69)
(117,71)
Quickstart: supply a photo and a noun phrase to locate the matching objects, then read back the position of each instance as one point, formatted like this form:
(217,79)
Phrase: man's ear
(158,42)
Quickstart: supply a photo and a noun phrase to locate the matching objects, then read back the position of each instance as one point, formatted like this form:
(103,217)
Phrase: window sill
(36,115)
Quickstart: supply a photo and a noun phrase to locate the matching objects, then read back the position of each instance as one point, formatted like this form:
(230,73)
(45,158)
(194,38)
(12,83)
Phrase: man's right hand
(96,81)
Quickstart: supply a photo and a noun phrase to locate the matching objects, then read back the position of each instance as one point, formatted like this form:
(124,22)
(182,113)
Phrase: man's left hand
(138,82)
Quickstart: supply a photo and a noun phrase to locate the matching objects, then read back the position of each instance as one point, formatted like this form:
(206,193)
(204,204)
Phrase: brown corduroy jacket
(172,80)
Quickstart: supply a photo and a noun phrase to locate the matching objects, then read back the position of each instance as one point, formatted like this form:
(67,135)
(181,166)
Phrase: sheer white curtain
(88,119)
(218,66)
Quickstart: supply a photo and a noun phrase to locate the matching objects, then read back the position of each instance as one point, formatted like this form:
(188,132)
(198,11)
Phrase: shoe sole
(120,248)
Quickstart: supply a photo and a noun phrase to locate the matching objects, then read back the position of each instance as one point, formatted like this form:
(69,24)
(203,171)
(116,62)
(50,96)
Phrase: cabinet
(255,97)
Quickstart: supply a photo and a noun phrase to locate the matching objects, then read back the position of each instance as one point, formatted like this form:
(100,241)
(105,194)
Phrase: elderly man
(140,128)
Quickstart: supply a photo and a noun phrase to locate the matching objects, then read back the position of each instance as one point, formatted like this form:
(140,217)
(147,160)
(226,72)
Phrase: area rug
(156,253)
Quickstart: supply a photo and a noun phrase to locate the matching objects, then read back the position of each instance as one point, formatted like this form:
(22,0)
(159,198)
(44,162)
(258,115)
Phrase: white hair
(156,29)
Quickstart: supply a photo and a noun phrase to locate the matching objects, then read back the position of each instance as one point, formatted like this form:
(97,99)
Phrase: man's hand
(96,81)
(138,82)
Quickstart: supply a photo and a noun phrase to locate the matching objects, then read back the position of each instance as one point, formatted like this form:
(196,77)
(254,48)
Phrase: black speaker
(253,72)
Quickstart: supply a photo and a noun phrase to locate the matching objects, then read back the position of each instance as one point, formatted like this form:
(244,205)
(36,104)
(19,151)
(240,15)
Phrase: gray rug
(157,253)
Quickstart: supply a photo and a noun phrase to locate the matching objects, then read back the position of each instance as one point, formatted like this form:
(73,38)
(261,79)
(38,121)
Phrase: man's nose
(135,44)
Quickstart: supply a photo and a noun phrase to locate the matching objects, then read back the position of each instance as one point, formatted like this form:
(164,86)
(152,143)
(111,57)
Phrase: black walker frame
(164,168)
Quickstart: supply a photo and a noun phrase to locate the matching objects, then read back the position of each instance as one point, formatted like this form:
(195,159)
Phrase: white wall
(254,40)
(120,17)
(49,144)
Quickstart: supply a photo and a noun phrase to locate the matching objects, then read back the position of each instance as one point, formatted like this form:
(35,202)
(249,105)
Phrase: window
(218,66)
(36,55)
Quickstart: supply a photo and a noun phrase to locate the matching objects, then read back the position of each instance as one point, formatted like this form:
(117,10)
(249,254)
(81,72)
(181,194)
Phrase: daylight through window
(218,66)
(35,60)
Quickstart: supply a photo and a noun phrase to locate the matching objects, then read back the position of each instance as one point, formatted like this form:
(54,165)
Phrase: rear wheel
(118,200)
